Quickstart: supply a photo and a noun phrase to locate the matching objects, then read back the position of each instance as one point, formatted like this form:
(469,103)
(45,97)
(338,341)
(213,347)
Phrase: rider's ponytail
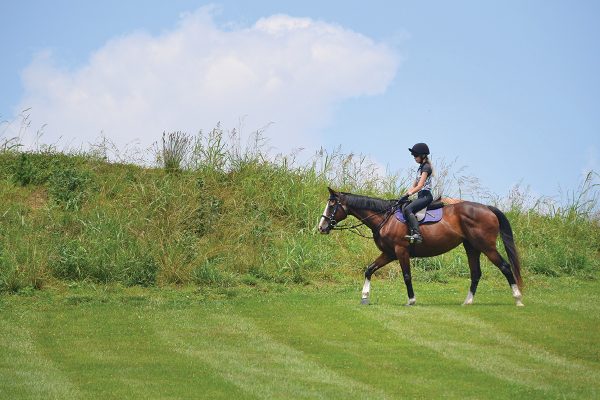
(428,161)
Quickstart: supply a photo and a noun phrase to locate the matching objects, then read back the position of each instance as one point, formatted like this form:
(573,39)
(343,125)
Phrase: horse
(474,225)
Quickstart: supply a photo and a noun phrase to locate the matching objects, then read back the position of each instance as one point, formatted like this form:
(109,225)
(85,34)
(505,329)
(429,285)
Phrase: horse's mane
(368,203)
(375,204)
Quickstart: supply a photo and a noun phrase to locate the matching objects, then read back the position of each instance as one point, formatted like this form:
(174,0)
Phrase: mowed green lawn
(115,343)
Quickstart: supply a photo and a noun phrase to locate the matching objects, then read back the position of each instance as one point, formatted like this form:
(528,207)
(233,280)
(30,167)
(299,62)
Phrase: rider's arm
(419,185)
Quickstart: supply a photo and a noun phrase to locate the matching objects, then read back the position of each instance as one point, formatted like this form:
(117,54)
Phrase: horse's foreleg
(382,260)
(473,256)
(405,265)
(365,291)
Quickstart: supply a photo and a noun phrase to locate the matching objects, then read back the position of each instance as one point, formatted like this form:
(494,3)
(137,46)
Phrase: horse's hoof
(518,300)
(469,299)
(411,302)
(364,302)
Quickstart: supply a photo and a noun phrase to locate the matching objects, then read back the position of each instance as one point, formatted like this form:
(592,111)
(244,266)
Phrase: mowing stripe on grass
(254,361)
(23,369)
(487,350)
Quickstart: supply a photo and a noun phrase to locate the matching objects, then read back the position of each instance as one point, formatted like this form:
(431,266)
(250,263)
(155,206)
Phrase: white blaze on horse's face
(323,223)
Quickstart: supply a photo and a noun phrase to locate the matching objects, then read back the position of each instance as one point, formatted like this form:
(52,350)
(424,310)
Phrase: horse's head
(334,212)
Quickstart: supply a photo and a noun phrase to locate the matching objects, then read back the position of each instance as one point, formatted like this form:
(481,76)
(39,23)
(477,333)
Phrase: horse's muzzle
(324,230)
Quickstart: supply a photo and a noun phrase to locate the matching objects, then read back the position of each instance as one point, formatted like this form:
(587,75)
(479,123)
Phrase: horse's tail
(509,244)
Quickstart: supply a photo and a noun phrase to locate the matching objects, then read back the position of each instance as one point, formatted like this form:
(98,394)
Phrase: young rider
(422,186)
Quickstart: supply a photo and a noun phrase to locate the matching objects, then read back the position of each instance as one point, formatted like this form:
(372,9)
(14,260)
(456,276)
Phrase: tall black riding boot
(415,233)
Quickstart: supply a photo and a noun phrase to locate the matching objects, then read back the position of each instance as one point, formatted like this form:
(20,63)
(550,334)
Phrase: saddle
(430,214)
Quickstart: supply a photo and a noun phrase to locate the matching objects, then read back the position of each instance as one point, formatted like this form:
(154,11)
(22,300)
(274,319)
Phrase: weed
(141,269)
(175,149)
(69,186)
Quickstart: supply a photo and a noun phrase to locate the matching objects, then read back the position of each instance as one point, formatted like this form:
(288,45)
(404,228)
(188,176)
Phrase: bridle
(333,223)
(331,218)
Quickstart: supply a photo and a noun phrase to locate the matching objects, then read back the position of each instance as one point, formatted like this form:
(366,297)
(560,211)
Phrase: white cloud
(285,70)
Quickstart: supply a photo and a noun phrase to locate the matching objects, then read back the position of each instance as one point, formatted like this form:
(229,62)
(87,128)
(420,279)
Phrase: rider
(421,185)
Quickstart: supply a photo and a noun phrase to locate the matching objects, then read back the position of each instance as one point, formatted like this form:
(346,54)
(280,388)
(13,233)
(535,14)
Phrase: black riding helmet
(419,149)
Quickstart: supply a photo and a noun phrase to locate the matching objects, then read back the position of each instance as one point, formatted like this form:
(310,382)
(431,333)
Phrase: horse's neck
(370,218)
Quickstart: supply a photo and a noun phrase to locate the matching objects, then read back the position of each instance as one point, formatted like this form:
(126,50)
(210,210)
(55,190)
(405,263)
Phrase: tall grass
(559,239)
(175,149)
(233,214)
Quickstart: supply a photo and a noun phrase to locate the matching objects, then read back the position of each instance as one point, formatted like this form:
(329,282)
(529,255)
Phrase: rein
(354,228)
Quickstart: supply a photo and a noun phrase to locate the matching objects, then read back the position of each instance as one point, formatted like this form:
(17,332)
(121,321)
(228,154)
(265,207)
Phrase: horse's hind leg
(404,258)
(504,267)
(474,265)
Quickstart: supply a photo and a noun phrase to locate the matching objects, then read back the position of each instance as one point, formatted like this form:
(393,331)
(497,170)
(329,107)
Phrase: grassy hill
(217,216)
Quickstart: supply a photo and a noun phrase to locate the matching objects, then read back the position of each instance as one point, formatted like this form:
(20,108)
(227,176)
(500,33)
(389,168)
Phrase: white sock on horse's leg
(517,295)
(469,299)
(366,289)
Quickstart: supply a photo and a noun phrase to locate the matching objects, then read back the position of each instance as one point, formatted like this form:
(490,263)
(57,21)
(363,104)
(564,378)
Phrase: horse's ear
(331,192)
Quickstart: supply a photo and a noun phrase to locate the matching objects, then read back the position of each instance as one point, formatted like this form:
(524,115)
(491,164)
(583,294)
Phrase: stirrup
(414,238)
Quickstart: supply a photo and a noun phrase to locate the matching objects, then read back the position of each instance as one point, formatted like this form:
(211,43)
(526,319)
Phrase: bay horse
(474,225)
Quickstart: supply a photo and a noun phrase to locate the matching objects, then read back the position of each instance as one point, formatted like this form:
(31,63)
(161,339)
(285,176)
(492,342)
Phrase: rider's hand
(401,201)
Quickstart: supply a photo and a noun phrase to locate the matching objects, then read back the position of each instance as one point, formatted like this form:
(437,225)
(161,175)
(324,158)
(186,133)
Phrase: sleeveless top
(425,167)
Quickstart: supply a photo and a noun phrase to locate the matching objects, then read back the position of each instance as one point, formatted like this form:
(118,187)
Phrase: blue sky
(509,89)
